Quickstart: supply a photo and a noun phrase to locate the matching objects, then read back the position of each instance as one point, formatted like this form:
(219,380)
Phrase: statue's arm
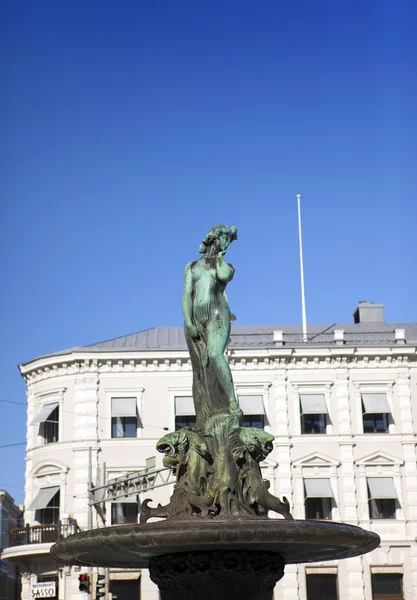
(187,302)
(225,271)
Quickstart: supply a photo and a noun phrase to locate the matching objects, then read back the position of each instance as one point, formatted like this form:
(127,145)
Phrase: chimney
(278,337)
(368,312)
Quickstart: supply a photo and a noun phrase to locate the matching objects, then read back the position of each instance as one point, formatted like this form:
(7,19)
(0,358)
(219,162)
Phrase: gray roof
(257,336)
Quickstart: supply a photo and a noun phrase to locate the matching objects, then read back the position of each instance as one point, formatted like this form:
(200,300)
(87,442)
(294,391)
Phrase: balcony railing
(41,534)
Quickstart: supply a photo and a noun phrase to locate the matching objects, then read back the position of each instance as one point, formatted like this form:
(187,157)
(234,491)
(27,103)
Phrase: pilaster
(355,579)
(404,398)
(281,425)
(347,471)
(342,401)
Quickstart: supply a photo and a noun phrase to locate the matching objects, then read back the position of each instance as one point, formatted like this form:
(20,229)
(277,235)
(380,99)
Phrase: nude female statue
(207,325)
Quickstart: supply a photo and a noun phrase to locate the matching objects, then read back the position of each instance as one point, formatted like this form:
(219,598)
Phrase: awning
(381,488)
(375,403)
(313,404)
(184,405)
(44,413)
(123,407)
(252,405)
(318,488)
(43,498)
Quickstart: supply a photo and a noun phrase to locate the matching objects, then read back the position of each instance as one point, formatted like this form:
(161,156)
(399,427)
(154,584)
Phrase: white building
(10,517)
(343,408)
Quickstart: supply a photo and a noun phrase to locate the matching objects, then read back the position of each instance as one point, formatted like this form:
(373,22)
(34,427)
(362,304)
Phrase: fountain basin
(133,546)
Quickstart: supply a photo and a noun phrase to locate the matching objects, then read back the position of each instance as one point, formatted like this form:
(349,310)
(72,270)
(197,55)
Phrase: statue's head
(218,239)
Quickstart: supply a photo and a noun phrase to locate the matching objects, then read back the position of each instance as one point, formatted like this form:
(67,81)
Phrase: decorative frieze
(266,361)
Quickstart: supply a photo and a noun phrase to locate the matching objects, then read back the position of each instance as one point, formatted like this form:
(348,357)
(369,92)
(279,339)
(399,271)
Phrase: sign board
(45,589)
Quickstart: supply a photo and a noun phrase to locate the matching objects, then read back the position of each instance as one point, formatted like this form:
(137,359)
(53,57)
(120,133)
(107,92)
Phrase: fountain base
(223,574)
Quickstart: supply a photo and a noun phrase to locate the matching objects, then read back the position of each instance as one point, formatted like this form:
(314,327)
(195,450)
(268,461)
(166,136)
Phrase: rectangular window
(313,411)
(125,590)
(124,512)
(318,498)
(49,425)
(387,586)
(124,417)
(257,421)
(382,498)
(376,411)
(184,412)
(318,508)
(184,421)
(322,587)
(50,514)
(122,427)
(313,423)
(382,508)
(253,410)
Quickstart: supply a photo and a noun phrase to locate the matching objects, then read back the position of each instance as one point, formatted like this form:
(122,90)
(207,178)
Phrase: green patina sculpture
(216,463)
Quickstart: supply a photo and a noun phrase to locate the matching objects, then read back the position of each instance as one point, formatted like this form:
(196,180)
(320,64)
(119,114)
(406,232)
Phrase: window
(124,512)
(253,410)
(48,421)
(382,497)
(125,590)
(49,513)
(322,587)
(257,421)
(387,586)
(184,421)
(124,417)
(318,498)
(313,412)
(49,429)
(376,411)
(184,412)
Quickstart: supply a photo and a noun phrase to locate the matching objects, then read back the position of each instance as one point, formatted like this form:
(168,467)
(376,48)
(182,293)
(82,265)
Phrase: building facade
(342,406)
(10,518)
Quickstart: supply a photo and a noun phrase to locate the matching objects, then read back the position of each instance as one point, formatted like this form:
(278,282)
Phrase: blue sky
(130,128)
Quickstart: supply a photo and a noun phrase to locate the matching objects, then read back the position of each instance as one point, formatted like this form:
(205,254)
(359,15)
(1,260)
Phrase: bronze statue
(207,324)
(216,463)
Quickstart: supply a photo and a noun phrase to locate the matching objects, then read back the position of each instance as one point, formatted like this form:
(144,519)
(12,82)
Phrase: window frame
(43,426)
(371,387)
(389,596)
(300,389)
(109,394)
(55,396)
(318,595)
(257,389)
(40,511)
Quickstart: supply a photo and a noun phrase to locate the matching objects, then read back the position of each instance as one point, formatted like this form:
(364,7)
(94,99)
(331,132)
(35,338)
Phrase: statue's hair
(213,235)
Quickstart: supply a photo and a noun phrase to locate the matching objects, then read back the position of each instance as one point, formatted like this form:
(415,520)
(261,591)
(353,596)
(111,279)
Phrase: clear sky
(130,128)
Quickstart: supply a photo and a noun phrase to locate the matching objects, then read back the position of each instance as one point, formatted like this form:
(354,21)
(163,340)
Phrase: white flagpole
(303,300)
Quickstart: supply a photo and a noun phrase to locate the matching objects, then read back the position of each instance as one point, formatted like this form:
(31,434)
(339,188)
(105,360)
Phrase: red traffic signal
(83,582)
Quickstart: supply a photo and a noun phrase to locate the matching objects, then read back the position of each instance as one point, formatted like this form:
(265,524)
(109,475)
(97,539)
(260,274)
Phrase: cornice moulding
(178,361)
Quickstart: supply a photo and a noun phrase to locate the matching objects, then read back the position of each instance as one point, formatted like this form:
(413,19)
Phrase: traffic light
(99,583)
(84,582)
(100,586)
